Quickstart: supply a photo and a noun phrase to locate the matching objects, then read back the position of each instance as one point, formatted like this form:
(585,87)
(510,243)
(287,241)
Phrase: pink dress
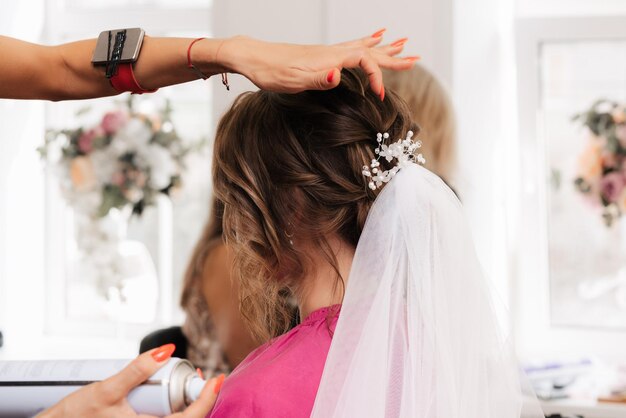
(280,378)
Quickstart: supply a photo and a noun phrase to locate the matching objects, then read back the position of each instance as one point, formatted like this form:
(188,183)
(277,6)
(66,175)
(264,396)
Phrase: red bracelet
(190,64)
(200,73)
(125,80)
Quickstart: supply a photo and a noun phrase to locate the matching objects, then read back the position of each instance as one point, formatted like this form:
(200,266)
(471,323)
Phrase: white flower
(161,166)
(104,164)
(403,160)
(133,136)
(86,203)
(402,150)
(114,226)
(604,107)
(54,150)
(134,195)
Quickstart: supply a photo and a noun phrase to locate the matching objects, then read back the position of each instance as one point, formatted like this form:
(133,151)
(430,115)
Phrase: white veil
(418,334)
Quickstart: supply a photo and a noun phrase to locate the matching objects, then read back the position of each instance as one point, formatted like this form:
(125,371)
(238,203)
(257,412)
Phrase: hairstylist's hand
(293,68)
(107,399)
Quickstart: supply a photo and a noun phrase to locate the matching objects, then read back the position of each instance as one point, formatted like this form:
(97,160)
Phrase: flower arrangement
(124,161)
(602,165)
(107,173)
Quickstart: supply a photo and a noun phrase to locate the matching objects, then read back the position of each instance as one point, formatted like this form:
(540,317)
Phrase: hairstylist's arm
(107,399)
(292,68)
(65,72)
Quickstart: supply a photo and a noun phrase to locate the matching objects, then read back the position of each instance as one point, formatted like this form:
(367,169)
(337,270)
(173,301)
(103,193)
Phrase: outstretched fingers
(396,63)
(393,48)
(371,60)
(367,41)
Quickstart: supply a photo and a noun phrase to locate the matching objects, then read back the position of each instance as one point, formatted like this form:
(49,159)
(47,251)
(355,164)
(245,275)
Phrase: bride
(326,207)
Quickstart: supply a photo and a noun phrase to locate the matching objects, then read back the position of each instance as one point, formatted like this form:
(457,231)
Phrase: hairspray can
(29,387)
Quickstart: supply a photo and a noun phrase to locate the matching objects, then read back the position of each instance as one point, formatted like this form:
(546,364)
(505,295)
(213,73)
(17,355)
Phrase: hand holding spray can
(29,387)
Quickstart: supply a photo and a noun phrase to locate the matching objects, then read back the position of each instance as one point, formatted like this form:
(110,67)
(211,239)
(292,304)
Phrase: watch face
(125,43)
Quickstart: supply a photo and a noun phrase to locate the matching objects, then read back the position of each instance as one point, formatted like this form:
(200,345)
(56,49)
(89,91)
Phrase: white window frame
(530,291)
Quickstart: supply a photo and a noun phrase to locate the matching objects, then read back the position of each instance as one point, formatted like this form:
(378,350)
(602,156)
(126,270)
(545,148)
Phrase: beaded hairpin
(402,150)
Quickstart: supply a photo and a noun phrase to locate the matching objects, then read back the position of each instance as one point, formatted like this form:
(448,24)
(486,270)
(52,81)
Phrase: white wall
(271,20)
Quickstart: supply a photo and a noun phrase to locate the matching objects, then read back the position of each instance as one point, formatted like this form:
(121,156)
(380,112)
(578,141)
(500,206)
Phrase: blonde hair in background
(432,110)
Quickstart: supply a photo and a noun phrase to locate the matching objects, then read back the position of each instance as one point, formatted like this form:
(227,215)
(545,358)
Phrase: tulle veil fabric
(418,335)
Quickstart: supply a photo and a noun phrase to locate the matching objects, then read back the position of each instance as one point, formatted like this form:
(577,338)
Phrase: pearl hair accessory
(402,150)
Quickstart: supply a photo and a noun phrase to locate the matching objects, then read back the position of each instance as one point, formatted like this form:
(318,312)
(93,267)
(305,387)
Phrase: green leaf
(582,185)
(112,197)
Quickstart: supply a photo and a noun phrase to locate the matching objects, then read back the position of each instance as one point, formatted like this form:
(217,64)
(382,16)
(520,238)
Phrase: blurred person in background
(217,338)
(432,109)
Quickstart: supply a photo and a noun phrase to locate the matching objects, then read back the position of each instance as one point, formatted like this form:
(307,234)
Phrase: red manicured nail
(382,93)
(379,33)
(218,384)
(400,42)
(330,76)
(200,373)
(413,58)
(163,353)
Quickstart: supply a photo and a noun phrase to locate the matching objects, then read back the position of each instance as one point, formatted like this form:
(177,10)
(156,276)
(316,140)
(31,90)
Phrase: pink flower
(85,142)
(612,185)
(113,121)
(118,179)
(609,159)
(592,199)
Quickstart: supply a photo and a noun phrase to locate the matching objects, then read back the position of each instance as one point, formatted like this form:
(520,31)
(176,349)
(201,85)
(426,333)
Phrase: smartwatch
(117,50)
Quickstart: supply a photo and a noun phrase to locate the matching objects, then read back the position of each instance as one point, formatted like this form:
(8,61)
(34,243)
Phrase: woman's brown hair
(288,168)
